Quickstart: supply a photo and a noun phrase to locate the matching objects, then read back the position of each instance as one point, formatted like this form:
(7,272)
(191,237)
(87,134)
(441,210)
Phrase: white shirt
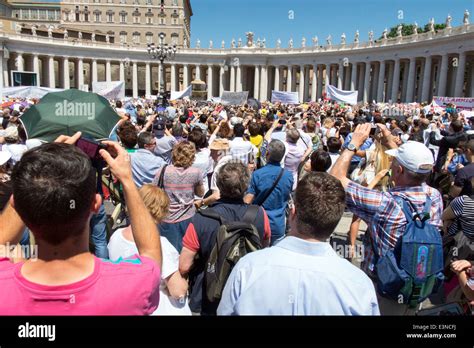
(204,162)
(120,247)
(242,149)
(297,277)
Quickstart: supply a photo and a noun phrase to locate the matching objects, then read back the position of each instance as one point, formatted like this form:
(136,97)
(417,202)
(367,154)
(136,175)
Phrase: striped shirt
(179,184)
(385,218)
(463,208)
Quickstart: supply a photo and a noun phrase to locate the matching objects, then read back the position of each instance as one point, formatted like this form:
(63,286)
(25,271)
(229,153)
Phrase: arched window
(136,37)
(149,37)
(174,38)
(123,36)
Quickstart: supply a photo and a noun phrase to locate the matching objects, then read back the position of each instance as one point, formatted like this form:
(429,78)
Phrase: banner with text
(109,90)
(234,98)
(461,103)
(349,97)
(285,97)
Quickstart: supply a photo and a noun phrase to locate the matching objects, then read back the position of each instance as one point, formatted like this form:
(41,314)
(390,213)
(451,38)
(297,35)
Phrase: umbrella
(68,112)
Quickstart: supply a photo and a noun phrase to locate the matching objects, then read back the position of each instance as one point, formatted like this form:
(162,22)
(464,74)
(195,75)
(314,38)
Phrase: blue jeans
(99,233)
(174,232)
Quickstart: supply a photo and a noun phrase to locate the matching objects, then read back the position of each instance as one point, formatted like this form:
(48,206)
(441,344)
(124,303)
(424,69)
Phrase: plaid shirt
(384,217)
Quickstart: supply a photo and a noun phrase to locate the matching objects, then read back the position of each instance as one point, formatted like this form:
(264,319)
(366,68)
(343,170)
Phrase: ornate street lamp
(161,52)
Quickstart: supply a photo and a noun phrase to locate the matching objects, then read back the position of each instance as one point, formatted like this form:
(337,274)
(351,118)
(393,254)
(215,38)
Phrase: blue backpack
(413,270)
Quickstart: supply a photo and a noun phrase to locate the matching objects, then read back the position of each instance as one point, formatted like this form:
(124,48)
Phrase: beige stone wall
(130,18)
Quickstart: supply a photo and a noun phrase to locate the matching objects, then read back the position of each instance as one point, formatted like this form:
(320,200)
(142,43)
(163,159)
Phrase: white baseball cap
(413,156)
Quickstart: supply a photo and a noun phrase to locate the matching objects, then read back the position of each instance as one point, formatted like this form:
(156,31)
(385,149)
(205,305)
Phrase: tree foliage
(409,29)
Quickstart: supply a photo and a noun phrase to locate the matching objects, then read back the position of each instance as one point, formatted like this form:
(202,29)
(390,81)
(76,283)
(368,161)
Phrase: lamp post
(161,52)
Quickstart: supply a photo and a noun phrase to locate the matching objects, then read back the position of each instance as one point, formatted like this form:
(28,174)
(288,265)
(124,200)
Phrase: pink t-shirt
(123,287)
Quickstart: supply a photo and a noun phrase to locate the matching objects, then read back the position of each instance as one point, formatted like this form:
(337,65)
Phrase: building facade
(409,68)
(128,22)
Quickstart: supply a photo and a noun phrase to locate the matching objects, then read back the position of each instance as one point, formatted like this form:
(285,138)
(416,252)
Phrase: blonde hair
(183,154)
(382,161)
(328,122)
(156,201)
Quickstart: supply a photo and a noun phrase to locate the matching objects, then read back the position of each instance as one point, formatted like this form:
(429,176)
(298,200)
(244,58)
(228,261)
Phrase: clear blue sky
(219,20)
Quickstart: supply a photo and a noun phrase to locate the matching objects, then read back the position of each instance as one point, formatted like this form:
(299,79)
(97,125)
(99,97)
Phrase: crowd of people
(193,175)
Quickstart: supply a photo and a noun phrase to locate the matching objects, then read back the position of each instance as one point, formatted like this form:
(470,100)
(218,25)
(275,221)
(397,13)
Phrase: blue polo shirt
(275,205)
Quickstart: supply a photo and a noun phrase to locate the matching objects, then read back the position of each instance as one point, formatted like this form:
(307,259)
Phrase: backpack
(234,239)
(413,270)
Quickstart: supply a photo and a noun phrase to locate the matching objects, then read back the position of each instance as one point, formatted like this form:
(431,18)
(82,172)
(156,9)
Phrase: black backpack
(234,239)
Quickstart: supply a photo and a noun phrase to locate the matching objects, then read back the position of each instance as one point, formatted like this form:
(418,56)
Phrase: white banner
(285,97)
(349,97)
(461,103)
(234,98)
(110,90)
(28,91)
(180,95)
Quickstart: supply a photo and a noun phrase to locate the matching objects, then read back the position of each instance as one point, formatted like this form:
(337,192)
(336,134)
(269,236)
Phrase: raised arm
(340,168)
(145,232)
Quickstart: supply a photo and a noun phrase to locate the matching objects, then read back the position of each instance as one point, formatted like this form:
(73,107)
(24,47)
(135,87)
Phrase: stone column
(135,79)
(52,77)
(173,77)
(221,80)
(159,77)
(374,83)
(36,69)
(340,76)
(327,80)
(471,94)
(20,62)
(2,67)
(264,83)
(314,84)
(319,92)
(95,75)
(411,80)
(122,72)
(404,81)
(232,79)
(353,76)
(80,72)
(388,92)
(198,72)
(277,78)
(381,82)
(147,79)
(301,84)
(289,78)
(238,79)
(256,83)
(396,80)
(185,75)
(4,71)
(307,91)
(209,82)
(460,70)
(66,77)
(366,81)
(426,80)
(108,71)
